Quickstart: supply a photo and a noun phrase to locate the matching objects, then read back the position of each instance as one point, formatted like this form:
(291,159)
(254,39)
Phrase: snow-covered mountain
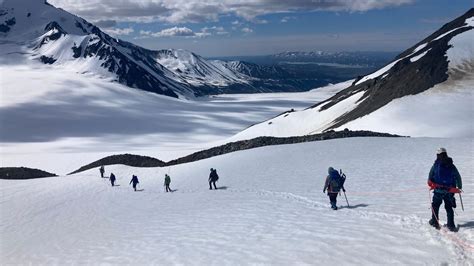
(426,91)
(218,76)
(197,71)
(256,71)
(57,37)
(53,36)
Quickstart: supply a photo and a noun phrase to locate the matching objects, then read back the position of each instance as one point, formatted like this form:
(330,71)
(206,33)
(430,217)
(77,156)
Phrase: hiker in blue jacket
(134,182)
(334,183)
(445,179)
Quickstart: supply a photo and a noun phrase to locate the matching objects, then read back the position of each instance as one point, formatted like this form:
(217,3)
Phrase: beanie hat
(441,150)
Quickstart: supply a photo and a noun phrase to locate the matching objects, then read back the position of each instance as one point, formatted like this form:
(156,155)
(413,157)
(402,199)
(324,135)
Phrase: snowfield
(50,110)
(270,210)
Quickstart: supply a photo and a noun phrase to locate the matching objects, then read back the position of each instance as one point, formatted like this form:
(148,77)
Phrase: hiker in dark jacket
(333,185)
(444,178)
(167,183)
(213,177)
(112,178)
(134,182)
(102,171)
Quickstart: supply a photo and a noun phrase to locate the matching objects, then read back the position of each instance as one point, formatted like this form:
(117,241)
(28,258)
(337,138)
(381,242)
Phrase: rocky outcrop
(125,159)
(143,161)
(16,173)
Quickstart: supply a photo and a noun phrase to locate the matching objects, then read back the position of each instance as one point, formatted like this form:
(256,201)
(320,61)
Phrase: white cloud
(218,30)
(246,30)
(287,18)
(181,11)
(118,31)
(183,32)
(171,32)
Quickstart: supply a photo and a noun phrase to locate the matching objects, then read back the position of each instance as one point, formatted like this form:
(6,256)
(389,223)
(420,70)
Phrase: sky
(216,28)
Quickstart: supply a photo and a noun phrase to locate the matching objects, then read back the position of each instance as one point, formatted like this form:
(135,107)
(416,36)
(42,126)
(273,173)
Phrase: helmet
(330,169)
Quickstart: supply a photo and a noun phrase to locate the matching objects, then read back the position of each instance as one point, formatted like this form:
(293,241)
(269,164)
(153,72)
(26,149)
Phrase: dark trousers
(134,186)
(168,189)
(112,181)
(214,183)
(102,174)
(449,204)
(332,198)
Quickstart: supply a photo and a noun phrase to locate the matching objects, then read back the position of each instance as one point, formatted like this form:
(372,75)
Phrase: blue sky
(231,28)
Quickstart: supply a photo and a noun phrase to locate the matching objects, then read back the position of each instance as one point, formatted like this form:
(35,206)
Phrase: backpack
(336,180)
(443,174)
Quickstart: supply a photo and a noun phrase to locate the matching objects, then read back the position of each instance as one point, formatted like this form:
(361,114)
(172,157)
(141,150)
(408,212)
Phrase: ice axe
(460,199)
(348,201)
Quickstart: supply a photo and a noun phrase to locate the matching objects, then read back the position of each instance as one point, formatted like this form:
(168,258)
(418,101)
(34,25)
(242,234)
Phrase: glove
(343,189)
(431,184)
(324,190)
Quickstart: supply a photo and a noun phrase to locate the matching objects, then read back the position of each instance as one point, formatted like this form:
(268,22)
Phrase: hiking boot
(452,228)
(434,223)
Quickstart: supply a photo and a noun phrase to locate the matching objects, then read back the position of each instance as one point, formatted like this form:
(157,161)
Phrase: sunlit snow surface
(56,111)
(270,210)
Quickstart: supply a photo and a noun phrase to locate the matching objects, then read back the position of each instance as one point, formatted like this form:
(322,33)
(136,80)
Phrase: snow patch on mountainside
(415,58)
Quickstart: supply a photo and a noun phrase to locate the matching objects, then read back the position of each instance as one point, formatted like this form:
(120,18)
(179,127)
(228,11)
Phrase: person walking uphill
(334,183)
(213,177)
(102,171)
(134,182)
(112,179)
(167,183)
(445,179)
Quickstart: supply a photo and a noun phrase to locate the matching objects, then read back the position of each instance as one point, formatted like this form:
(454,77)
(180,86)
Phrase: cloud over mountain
(181,11)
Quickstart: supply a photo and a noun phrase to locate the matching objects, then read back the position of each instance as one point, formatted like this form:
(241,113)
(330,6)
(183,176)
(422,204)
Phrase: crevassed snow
(270,210)
(415,58)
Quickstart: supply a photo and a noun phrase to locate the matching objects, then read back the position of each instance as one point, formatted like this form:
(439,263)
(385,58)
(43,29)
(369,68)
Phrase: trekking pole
(460,199)
(346,198)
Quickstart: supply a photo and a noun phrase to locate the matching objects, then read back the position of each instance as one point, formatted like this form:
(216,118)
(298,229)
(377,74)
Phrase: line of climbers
(444,179)
(213,178)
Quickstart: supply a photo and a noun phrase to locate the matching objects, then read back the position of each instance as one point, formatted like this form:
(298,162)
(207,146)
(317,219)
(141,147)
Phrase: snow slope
(47,109)
(426,92)
(270,210)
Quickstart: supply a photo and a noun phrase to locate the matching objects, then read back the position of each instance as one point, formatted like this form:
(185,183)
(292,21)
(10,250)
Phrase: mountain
(257,71)
(426,91)
(354,59)
(40,32)
(54,36)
